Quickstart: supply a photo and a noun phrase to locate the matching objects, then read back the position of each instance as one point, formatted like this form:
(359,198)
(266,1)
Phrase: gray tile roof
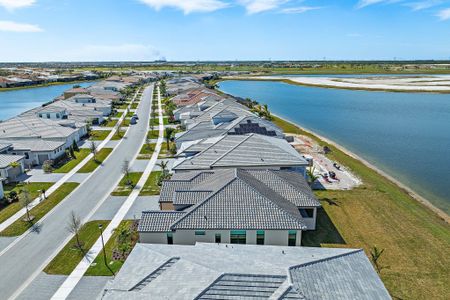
(33,144)
(345,276)
(158,221)
(251,150)
(221,271)
(242,286)
(237,199)
(6,160)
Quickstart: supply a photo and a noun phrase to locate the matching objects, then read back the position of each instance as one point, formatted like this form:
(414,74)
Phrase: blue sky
(96,30)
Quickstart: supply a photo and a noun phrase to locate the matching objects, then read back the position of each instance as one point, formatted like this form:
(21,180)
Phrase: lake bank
(381,213)
(428,205)
(401,134)
(404,84)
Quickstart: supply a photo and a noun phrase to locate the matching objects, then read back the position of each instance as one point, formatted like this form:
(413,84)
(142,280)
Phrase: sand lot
(429,83)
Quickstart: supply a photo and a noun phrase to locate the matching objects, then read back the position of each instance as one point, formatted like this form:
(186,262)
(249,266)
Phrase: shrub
(47,166)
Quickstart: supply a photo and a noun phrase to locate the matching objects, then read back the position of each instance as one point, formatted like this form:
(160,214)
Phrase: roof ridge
(233,148)
(274,172)
(270,200)
(201,203)
(325,259)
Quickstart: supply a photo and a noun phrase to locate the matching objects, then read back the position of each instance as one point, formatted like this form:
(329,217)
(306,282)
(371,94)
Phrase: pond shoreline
(440,213)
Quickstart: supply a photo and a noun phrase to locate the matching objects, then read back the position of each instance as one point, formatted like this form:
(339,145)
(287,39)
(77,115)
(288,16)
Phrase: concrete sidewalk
(77,274)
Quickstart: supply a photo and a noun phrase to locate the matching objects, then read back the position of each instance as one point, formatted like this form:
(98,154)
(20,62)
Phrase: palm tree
(163,165)
(168,133)
(375,255)
(311,176)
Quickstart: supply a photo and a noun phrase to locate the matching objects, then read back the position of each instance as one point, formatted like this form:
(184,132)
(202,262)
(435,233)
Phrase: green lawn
(98,135)
(153,134)
(155,121)
(92,164)
(110,123)
(126,122)
(20,226)
(67,167)
(117,137)
(134,105)
(98,267)
(130,114)
(122,106)
(123,189)
(164,153)
(34,189)
(69,257)
(119,114)
(379,213)
(151,187)
(146,152)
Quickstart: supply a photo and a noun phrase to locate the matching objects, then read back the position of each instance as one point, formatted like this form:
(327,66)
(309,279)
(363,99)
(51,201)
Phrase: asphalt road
(29,255)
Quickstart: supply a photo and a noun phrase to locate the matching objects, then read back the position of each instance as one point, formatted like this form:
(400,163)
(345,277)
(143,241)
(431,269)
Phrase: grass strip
(151,186)
(98,267)
(124,189)
(70,256)
(79,156)
(40,210)
(98,135)
(92,164)
(34,188)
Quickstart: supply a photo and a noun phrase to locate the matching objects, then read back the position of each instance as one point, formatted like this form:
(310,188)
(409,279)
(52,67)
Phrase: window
(48,116)
(260,237)
(292,237)
(238,237)
(27,155)
(218,238)
(307,212)
(169,238)
(199,232)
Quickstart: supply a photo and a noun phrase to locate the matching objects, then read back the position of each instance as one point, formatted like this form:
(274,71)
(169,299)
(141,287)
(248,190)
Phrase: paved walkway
(77,274)
(23,260)
(61,181)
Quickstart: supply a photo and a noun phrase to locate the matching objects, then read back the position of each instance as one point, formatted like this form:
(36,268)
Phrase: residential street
(26,258)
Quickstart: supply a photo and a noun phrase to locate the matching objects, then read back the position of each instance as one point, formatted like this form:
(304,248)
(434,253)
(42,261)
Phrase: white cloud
(364,3)
(18,27)
(257,6)
(420,5)
(187,6)
(298,10)
(354,35)
(121,52)
(444,14)
(14,4)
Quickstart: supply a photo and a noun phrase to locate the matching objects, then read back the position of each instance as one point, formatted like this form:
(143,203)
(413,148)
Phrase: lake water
(406,135)
(15,102)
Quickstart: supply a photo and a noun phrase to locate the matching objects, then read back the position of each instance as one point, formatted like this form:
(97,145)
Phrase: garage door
(42,158)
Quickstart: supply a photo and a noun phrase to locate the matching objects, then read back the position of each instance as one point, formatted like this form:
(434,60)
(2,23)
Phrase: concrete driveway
(30,253)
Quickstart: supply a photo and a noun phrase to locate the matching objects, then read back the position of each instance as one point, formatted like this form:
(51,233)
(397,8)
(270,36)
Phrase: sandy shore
(444,216)
(428,83)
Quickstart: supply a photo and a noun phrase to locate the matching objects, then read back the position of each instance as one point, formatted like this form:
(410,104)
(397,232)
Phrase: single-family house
(240,206)
(240,151)
(224,271)
(35,151)
(11,167)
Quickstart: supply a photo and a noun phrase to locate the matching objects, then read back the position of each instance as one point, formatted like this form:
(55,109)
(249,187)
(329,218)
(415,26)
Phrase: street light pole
(100,226)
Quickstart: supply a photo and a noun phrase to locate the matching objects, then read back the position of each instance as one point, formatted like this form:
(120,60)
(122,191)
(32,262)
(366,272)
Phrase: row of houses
(44,133)
(35,78)
(231,219)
